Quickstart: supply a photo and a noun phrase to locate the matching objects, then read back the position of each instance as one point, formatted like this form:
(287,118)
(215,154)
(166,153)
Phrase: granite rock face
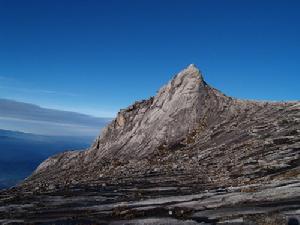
(144,126)
(188,128)
(189,155)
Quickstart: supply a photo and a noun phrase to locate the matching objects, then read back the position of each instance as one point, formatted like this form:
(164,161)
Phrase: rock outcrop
(188,127)
(190,144)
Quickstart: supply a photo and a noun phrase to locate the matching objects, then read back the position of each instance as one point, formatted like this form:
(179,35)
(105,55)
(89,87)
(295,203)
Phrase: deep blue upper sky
(98,56)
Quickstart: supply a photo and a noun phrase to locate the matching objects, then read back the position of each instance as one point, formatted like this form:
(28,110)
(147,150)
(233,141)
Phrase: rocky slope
(188,127)
(188,141)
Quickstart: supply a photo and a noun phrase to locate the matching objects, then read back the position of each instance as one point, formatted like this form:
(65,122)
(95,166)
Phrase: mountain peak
(190,74)
(188,135)
(163,120)
(192,67)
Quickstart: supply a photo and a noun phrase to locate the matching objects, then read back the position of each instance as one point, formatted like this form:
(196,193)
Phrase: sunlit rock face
(160,121)
(189,155)
(192,129)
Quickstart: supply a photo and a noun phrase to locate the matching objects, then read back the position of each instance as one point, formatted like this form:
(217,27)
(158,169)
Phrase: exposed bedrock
(189,155)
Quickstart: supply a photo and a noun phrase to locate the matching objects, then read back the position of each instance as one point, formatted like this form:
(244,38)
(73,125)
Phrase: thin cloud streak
(45,122)
(48,128)
(4,78)
(39,91)
(35,119)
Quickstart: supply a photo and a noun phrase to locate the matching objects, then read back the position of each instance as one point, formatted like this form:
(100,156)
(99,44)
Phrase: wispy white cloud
(33,118)
(1,77)
(16,85)
(39,91)
(46,122)
(4,78)
(48,128)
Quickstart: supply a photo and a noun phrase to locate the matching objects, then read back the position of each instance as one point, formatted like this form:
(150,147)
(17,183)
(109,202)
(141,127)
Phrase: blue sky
(95,57)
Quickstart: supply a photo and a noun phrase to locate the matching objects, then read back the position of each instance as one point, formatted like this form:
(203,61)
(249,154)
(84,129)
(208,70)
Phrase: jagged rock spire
(155,121)
(189,75)
(189,136)
(186,118)
(163,120)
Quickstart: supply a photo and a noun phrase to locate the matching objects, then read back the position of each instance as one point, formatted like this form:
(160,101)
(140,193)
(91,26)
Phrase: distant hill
(22,152)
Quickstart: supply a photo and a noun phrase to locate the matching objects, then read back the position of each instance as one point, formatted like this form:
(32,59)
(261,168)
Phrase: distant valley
(44,132)
(22,152)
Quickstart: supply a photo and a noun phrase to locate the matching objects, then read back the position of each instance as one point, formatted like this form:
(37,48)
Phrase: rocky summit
(189,155)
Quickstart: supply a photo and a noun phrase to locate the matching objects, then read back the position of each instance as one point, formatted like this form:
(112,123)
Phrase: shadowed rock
(186,151)
(192,128)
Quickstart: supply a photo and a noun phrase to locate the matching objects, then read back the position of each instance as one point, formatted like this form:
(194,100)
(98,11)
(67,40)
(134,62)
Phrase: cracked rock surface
(189,155)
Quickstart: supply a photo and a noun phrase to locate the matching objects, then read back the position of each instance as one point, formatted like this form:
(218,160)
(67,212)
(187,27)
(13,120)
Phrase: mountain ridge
(184,111)
(189,155)
(22,152)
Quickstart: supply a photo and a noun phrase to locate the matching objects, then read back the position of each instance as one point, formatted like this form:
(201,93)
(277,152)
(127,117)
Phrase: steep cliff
(189,155)
(187,128)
